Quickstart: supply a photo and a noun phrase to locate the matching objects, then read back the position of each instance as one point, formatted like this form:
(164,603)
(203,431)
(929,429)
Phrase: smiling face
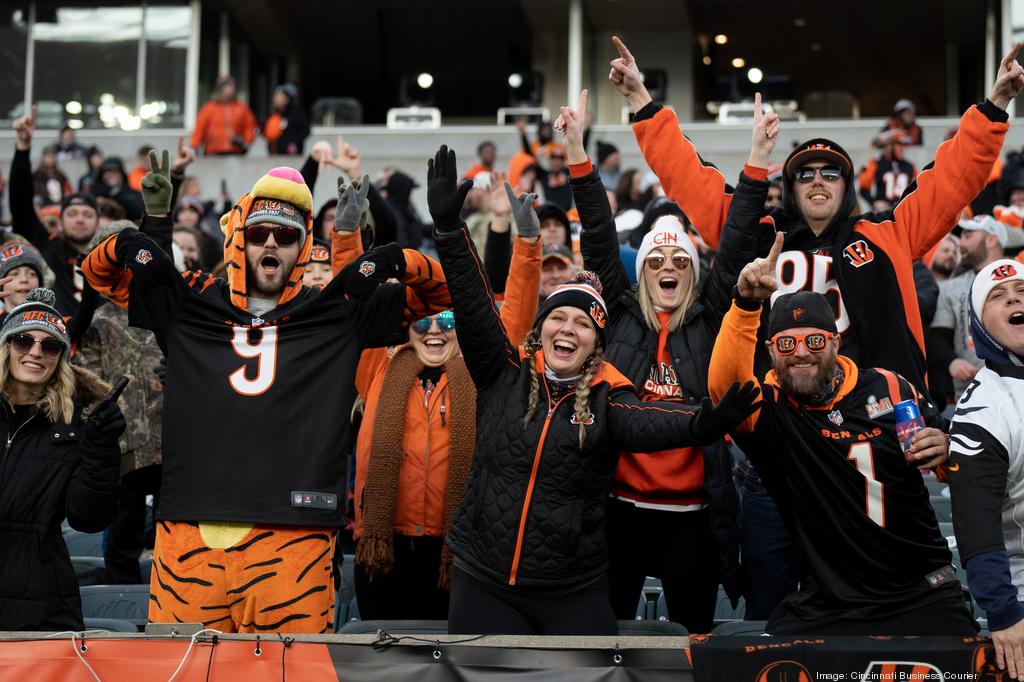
(1003,315)
(434,347)
(32,370)
(819,200)
(268,265)
(668,286)
(25,280)
(189,246)
(554,271)
(567,337)
(804,374)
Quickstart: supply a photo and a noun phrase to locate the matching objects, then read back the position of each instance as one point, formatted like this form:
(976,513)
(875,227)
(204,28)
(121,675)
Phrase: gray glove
(156,186)
(352,204)
(522,210)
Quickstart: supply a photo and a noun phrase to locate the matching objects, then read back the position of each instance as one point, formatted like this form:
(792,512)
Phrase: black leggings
(409,591)
(480,607)
(677,547)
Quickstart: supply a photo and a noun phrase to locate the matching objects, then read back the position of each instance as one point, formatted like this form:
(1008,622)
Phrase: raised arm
(23,210)
(696,186)
(933,203)
(522,289)
(485,345)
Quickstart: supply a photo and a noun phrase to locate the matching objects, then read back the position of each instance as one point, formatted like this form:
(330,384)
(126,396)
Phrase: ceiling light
(721,39)
(755,75)
(739,62)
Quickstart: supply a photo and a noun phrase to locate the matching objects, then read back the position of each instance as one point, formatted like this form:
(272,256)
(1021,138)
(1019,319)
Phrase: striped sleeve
(426,287)
(106,274)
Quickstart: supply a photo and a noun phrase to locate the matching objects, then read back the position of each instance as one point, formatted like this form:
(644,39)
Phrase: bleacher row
(123,608)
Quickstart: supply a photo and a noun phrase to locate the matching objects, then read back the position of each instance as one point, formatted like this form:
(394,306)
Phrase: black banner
(844,659)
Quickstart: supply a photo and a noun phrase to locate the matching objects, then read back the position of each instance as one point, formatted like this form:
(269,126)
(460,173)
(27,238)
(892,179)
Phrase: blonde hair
(581,404)
(58,401)
(675,320)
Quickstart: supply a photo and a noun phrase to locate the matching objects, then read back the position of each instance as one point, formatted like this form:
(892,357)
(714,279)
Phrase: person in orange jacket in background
(416,442)
(224,125)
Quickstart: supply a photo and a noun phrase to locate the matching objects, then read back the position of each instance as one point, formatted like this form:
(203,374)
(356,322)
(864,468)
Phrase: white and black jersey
(986,480)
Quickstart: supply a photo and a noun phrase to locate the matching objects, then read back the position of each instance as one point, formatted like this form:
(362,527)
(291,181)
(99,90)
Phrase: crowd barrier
(442,658)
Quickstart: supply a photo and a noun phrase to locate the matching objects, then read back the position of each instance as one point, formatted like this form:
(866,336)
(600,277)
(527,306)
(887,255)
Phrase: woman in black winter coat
(674,516)
(529,538)
(60,459)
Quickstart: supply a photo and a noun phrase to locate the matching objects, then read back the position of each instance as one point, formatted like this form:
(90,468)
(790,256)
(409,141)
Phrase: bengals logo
(859,253)
(319,254)
(798,314)
(143,256)
(367,268)
(588,421)
(12,251)
(985,668)
(1002,272)
(598,315)
(784,671)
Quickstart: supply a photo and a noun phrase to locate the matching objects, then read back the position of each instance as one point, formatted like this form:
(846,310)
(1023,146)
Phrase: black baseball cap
(801,309)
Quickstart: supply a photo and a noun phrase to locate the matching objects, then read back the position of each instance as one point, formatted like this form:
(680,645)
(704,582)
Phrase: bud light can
(908,422)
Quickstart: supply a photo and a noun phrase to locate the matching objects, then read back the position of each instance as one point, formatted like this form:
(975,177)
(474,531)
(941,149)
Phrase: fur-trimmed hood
(90,389)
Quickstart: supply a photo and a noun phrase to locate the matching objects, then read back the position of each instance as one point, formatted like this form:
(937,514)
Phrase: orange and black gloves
(444,199)
(714,421)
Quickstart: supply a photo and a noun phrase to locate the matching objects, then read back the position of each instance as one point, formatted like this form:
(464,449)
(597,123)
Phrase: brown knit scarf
(375,551)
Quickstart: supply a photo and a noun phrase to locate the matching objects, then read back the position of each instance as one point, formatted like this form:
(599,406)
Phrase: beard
(943,269)
(804,388)
(261,286)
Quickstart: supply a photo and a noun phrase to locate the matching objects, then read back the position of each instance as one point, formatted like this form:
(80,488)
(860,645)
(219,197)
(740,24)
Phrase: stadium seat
(725,611)
(346,591)
(110,625)
(935,487)
(353,610)
(652,586)
(84,544)
(395,627)
(645,608)
(123,602)
(146,568)
(743,628)
(651,628)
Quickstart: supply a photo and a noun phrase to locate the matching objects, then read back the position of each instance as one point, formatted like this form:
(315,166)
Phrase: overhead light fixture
(721,39)
(800,22)
(424,80)
(707,61)
(738,62)
(515,80)
(755,75)
(73,107)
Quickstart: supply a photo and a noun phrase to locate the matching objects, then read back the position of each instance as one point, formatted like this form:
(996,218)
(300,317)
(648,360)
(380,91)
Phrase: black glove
(714,421)
(161,372)
(140,254)
(361,277)
(444,199)
(106,423)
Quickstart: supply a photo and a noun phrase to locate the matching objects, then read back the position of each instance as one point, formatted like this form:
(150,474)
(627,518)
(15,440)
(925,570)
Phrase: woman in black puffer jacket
(60,458)
(529,538)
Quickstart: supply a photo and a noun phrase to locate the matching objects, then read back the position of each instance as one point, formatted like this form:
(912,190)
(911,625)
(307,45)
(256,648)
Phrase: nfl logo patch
(836,417)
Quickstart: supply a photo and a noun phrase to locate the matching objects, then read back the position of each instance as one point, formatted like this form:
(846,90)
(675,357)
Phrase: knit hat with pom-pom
(583,291)
(37,312)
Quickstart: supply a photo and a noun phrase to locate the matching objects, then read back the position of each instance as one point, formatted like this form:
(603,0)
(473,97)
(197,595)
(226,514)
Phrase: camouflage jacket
(111,349)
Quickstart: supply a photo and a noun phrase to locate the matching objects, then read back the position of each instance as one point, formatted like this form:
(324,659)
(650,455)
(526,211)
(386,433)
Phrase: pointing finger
(581,107)
(773,255)
(1008,60)
(623,50)
(758,115)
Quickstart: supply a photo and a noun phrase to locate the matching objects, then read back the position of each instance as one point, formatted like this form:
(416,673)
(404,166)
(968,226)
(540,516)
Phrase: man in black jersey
(260,383)
(873,561)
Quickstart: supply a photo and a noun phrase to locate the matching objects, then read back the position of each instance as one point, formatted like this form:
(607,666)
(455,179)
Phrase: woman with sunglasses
(673,516)
(528,539)
(415,444)
(60,458)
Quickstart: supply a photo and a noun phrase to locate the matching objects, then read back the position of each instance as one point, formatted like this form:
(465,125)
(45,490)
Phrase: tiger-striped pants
(272,579)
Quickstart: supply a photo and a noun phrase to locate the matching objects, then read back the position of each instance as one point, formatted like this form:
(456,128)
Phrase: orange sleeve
(202,121)
(522,290)
(427,290)
(733,357)
(105,273)
(696,186)
(372,361)
(933,203)
(345,248)
(249,124)
(867,176)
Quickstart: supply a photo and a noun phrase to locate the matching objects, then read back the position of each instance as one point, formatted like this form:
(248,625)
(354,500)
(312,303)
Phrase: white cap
(903,104)
(668,231)
(629,220)
(991,276)
(985,223)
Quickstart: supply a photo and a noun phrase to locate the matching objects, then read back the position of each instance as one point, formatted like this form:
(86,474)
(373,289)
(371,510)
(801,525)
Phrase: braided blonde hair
(582,390)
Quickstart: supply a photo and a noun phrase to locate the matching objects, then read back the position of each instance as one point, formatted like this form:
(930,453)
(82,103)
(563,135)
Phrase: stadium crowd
(605,374)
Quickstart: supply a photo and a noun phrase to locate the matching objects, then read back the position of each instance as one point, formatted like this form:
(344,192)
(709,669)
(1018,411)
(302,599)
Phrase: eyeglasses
(23,343)
(445,322)
(815,342)
(284,235)
(657,262)
(828,174)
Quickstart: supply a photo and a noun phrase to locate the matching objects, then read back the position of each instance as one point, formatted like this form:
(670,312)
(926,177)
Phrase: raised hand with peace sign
(572,124)
(757,279)
(1009,80)
(765,134)
(156,186)
(625,76)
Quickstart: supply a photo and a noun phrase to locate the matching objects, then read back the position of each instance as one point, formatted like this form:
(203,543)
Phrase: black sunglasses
(828,174)
(284,235)
(23,343)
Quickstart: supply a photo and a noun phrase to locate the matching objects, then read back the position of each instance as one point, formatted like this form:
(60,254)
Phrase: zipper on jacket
(426,462)
(7,447)
(529,487)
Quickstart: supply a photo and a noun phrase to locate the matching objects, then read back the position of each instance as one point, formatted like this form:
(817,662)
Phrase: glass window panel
(168,31)
(87,61)
(13,48)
